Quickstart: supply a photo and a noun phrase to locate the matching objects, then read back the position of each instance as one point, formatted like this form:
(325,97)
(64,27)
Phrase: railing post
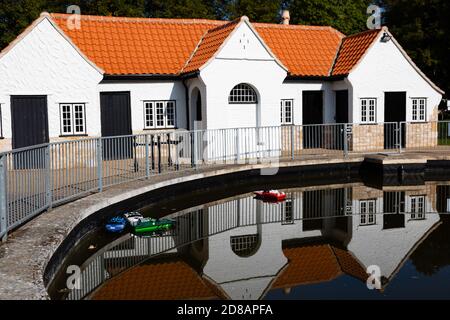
(292,142)
(48,178)
(159,154)
(3,205)
(345,137)
(194,149)
(237,145)
(399,135)
(99,164)
(169,156)
(147,160)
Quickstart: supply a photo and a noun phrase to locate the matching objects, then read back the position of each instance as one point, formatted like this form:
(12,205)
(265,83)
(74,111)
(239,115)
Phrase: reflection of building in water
(388,240)
(241,248)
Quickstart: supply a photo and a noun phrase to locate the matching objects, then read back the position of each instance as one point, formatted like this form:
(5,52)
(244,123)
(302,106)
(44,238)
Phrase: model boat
(270,195)
(116,224)
(148,225)
(133,218)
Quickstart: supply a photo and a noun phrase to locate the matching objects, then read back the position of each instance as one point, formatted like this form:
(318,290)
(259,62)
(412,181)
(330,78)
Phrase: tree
(16,15)
(256,10)
(182,9)
(348,16)
(423,30)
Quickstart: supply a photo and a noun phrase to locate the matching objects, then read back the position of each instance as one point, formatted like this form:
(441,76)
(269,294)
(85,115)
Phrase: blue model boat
(116,224)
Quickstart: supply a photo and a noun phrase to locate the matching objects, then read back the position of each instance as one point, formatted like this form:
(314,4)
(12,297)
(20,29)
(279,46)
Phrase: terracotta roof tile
(209,45)
(171,46)
(352,50)
(317,263)
(304,50)
(163,280)
(308,264)
(114,43)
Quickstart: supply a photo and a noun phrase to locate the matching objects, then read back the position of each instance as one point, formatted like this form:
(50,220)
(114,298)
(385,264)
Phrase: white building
(69,76)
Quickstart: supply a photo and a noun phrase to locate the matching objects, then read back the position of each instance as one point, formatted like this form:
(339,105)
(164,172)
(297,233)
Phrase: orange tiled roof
(304,50)
(142,46)
(164,46)
(352,50)
(136,45)
(164,280)
(209,45)
(317,263)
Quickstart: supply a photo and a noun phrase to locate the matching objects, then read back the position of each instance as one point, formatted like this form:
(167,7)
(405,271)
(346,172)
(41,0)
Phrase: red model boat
(270,195)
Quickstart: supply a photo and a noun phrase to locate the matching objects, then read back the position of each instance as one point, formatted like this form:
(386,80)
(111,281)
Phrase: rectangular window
(417,207)
(288,213)
(419,106)
(368,110)
(159,114)
(287,111)
(73,118)
(367,210)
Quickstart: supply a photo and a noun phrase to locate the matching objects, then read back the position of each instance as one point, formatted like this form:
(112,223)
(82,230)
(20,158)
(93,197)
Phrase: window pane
(66,117)
(159,114)
(149,115)
(79,118)
(170,111)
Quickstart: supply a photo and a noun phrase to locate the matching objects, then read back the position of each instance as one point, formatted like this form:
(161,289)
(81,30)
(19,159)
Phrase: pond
(338,239)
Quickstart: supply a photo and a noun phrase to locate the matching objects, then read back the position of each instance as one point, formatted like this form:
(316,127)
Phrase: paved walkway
(24,257)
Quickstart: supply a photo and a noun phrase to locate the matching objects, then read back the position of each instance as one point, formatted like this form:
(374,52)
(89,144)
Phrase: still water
(318,244)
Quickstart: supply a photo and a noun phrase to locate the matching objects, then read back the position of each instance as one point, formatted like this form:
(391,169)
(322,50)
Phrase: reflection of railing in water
(310,207)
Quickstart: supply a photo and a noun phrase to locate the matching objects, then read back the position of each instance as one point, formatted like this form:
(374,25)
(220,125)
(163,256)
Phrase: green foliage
(16,15)
(256,10)
(181,9)
(348,16)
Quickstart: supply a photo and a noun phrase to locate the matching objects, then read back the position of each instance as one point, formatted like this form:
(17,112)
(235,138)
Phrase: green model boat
(148,225)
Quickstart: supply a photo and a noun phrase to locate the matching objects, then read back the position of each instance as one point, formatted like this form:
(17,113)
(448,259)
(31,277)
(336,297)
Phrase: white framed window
(368,110)
(73,118)
(367,210)
(159,114)
(417,209)
(242,94)
(287,108)
(419,107)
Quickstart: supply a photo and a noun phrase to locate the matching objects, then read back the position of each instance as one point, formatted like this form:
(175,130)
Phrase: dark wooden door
(29,120)
(342,106)
(116,121)
(312,114)
(394,111)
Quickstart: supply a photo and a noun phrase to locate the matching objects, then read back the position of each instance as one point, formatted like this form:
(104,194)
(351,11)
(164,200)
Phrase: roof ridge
(377,30)
(140,19)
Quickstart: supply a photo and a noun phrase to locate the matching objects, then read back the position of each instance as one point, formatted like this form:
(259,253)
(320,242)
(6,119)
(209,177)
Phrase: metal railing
(37,178)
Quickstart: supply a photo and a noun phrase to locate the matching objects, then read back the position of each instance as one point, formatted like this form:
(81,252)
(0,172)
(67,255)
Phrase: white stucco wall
(294,90)
(45,63)
(243,59)
(141,91)
(385,69)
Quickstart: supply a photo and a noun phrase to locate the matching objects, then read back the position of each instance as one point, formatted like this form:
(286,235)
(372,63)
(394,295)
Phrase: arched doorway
(196,110)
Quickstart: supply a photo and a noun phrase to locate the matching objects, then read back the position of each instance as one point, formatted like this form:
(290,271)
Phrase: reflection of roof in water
(310,264)
(167,279)
(173,278)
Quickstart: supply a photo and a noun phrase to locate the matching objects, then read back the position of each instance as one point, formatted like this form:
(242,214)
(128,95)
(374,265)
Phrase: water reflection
(242,248)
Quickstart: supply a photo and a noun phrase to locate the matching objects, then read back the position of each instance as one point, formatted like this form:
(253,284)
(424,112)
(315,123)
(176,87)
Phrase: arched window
(245,246)
(243,93)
